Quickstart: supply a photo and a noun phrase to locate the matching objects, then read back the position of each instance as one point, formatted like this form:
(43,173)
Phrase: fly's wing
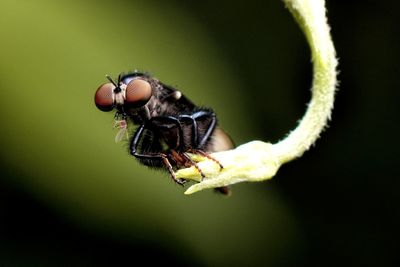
(121,135)
(122,130)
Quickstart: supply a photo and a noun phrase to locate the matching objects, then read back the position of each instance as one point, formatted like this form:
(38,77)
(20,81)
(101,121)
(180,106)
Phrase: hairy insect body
(170,125)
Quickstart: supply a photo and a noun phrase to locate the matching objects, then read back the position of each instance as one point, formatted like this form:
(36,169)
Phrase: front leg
(151,156)
(206,155)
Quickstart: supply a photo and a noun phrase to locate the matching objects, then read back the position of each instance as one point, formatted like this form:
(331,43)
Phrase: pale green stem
(310,15)
(257,160)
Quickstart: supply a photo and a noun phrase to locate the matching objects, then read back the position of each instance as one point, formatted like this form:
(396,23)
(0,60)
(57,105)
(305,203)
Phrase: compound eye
(104,98)
(138,93)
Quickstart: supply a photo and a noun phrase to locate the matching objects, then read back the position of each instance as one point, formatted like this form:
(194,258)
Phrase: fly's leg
(168,165)
(183,159)
(193,163)
(206,155)
(195,124)
(133,150)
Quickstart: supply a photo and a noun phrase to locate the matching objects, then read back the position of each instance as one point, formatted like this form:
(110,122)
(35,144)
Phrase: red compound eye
(104,97)
(138,93)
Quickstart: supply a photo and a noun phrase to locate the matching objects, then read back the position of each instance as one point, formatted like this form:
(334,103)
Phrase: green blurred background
(70,196)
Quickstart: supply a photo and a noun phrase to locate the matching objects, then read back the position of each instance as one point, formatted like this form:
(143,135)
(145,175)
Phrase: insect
(169,125)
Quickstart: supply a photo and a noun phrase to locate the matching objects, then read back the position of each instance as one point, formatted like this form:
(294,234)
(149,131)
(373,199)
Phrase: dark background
(69,196)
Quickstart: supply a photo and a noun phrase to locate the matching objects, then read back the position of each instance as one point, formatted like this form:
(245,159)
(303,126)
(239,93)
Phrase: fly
(169,125)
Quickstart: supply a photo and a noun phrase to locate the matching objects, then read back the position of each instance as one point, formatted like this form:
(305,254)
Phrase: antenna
(111,80)
(117,88)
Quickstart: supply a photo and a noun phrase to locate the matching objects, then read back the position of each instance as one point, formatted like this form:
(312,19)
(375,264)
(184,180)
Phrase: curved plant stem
(257,160)
(310,15)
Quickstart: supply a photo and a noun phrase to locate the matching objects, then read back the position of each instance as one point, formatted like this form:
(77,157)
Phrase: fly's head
(140,97)
(124,95)
(129,97)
